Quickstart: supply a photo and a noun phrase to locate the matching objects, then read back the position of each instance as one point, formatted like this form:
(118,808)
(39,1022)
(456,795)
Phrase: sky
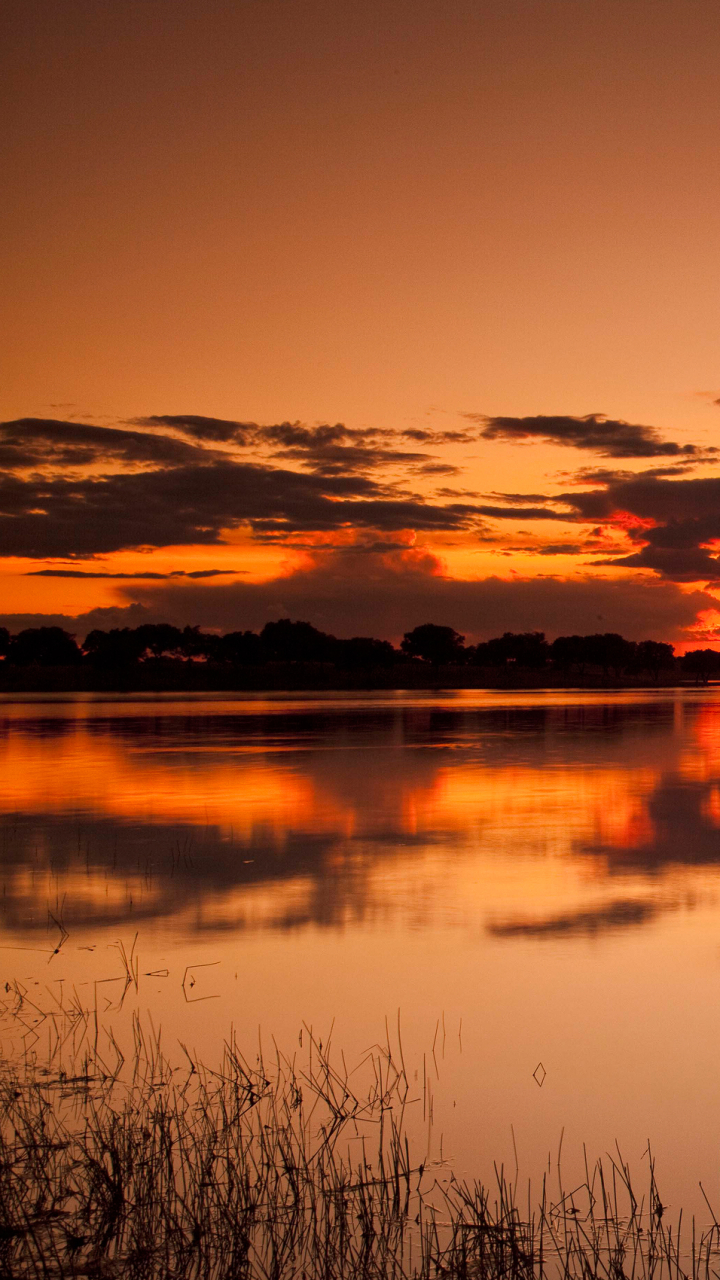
(369,314)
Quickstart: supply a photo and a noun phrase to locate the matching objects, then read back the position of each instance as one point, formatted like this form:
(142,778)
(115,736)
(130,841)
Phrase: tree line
(294,642)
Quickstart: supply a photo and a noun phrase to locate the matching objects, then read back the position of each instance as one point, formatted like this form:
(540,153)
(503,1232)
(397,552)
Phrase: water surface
(527,878)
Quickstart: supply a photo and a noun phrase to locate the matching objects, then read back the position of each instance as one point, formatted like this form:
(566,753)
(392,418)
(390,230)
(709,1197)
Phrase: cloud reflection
(618,914)
(282,816)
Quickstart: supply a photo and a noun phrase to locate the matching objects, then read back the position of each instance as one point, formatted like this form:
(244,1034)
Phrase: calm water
(527,878)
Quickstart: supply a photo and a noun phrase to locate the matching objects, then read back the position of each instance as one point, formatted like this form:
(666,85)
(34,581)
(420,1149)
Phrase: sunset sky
(365,313)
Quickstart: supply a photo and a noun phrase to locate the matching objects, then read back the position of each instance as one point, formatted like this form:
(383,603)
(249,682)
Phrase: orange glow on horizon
(401,218)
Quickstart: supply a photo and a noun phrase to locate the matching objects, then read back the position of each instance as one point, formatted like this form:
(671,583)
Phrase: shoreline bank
(162,676)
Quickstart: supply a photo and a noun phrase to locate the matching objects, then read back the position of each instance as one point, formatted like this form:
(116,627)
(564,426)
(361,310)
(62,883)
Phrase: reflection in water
(626,911)
(276,815)
(536,874)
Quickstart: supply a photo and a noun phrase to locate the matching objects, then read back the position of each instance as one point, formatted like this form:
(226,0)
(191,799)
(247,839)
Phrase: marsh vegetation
(149,1164)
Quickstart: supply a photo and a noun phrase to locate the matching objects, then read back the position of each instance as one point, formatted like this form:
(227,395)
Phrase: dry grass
(279,1169)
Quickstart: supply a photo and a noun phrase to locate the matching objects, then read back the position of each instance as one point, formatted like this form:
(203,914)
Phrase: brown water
(526,878)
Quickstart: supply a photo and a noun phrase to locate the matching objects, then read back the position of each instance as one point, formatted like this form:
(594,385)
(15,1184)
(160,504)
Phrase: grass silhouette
(280,1168)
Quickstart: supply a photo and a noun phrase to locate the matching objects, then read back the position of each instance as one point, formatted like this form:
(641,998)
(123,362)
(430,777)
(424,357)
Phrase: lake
(527,884)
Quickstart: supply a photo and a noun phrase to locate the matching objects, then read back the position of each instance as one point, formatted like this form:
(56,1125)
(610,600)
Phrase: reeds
(283,1168)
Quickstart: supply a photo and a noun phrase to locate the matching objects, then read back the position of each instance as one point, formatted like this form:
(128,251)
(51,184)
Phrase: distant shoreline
(165,676)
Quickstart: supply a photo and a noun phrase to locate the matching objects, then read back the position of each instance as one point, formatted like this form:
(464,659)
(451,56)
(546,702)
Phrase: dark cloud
(606,475)
(49,444)
(560,549)
(436,469)
(175,573)
(650,498)
(527,499)
(363,595)
(385,595)
(193,504)
(525,513)
(71,489)
(93,490)
(131,615)
(323,513)
(610,437)
(296,435)
(331,460)
(678,564)
(438,437)
(328,449)
(217,430)
(679,517)
(457,493)
(340,450)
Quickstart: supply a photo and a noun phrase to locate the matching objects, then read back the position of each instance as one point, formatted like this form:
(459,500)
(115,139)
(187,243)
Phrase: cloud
(79,624)
(328,449)
(89,515)
(217,430)
(74,490)
(436,469)
(650,498)
(457,493)
(560,549)
(340,450)
(519,498)
(606,475)
(690,564)
(175,573)
(672,519)
(438,437)
(525,513)
(349,593)
(52,445)
(387,588)
(610,437)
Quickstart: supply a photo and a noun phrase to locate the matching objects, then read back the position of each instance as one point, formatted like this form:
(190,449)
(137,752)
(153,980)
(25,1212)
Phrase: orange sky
(384,215)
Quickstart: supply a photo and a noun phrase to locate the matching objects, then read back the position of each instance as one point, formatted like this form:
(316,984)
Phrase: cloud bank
(373,593)
(72,491)
(348,598)
(170,492)
(677,519)
(610,437)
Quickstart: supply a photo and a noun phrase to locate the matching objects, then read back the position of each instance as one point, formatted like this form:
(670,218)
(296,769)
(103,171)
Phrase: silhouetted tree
(160,639)
(43,646)
(243,648)
(567,652)
(196,644)
(701,663)
(525,648)
(431,643)
(609,651)
(653,656)
(286,641)
(119,647)
(363,651)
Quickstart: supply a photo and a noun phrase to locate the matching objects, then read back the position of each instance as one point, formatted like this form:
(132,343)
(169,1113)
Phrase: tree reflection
(341,813)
